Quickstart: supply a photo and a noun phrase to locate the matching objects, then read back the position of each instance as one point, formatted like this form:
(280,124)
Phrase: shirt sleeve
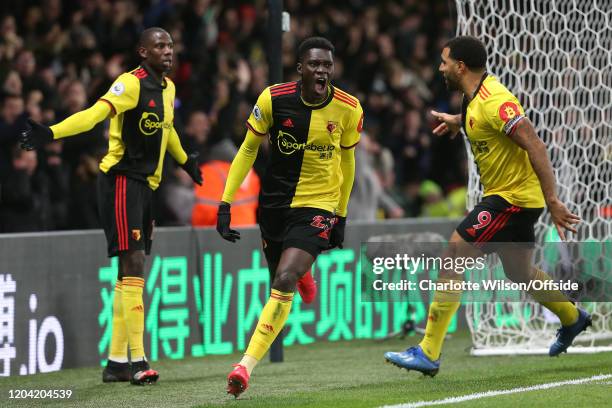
(260,120)
(174,147)
(504,112)
(82,121)
(123,93)
(241,165)
(352,131)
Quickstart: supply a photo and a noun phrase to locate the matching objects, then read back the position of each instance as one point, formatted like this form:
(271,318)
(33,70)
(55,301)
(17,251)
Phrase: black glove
(192,168)
(35,135)
(336,237)
(224,217)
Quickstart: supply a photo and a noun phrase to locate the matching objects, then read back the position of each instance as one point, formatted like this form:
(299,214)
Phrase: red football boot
(237,380)
(142,374)
(307,287)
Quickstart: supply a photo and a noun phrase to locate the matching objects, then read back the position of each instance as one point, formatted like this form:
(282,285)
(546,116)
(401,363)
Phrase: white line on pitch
(479,395)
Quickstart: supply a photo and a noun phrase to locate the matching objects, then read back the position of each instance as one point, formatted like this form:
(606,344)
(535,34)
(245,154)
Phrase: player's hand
(224,218)
(336,238)
(450,123)
(562,217)
(35,135)
(192,168)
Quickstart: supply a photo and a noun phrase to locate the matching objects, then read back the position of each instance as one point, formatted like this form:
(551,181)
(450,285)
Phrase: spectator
(208,195)
(10,42)
(81,154)
(12,119)
(196,133)
(434,204)
(24,204)
(25,64)
(57,175)
(369,195)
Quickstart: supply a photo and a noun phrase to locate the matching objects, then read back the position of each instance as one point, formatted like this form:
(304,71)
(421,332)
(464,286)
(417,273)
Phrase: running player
(518,181)
(312,127)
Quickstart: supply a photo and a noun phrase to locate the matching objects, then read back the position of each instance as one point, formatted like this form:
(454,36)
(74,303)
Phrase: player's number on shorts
(318,221)
(484,219)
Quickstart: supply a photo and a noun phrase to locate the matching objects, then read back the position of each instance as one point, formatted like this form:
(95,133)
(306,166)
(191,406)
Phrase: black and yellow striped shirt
(141,128)
(305,142)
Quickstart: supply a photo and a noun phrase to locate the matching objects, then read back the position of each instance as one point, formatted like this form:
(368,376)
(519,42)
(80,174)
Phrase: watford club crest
(136,235)
(331,126)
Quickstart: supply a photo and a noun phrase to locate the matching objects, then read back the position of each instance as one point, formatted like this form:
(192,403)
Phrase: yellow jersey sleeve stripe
(252,129)
(350,147)
(109,104)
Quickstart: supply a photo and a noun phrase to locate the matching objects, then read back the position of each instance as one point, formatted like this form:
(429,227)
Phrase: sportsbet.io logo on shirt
(288,145)
(149,123)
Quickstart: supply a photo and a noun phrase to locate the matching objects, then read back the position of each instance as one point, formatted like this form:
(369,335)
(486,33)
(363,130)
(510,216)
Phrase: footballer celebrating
(140,104)
(312,128)
(518,181)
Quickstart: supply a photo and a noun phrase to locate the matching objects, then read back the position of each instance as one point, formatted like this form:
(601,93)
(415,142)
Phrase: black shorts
(495,220)
(304,228)
(126,210)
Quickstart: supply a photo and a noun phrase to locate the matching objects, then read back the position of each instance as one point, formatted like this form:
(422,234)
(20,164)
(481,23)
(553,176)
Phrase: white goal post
(556,57)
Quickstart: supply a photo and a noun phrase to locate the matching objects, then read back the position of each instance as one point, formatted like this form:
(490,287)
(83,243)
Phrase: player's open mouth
(320,85)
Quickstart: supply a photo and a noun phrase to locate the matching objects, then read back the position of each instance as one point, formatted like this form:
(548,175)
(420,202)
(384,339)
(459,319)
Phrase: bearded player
(518,181)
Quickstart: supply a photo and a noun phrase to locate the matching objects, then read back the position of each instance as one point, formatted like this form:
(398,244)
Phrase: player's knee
(285,279)
(518,266)
(272,270)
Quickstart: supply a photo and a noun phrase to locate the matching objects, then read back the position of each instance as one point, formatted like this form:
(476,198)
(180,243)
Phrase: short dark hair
(146,35)
(470,50)
(315,42)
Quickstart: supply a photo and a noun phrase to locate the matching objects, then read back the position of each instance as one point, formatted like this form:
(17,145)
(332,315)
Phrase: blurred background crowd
(58,56)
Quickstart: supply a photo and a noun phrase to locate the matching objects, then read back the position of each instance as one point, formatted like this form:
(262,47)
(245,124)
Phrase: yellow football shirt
(504,167)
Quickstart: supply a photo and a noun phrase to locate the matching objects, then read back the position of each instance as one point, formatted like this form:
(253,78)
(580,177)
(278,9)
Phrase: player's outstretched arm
(450,124)
(36,135)
(239,169)
(525,136)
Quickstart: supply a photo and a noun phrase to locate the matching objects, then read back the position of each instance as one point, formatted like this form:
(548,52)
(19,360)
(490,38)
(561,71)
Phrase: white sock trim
(118,359)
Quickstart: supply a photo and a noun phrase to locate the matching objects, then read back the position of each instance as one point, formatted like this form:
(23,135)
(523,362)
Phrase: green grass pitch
(339,374)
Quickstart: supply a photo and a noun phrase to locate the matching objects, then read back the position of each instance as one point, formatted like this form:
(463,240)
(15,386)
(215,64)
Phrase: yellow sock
(133,311)
(119,339)
(441,311)
(271,322)
(554,300)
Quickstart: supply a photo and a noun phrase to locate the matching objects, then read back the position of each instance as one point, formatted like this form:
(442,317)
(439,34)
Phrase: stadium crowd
(58,56)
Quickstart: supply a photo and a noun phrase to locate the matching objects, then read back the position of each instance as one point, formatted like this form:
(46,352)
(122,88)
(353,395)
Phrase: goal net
(555,56)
